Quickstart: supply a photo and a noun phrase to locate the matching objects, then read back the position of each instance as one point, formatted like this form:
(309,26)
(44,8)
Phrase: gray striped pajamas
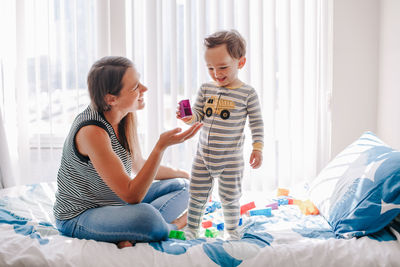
(223,112)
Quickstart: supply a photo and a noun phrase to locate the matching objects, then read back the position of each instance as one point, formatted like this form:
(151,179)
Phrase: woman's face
(131,95)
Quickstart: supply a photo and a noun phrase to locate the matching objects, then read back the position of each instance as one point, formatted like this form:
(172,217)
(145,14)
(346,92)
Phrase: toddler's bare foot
(124,244)
(181,221)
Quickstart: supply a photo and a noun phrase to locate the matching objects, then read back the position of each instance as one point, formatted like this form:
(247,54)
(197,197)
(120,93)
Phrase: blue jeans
(147,221)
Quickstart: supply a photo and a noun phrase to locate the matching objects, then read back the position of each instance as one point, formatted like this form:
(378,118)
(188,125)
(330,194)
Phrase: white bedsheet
(288,238)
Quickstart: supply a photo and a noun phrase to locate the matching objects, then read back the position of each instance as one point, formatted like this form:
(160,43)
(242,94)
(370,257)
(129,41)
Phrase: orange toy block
(308,208)
(282,192)
(246,207)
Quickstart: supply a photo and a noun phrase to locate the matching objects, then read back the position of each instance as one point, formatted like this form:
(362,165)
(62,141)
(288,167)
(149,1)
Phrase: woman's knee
(186,183)
(180,183)
(153,224)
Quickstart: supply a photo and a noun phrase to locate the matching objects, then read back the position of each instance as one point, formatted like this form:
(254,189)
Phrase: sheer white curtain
(52,43)
(48,49)
(287,63)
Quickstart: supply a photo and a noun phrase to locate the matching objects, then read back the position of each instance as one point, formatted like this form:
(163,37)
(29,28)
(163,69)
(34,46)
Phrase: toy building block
(264,212)
(273,205)
(246,207)
(290,201)
(211,232)
(212,206)
(308,208)
(220,226)
(282,192)
(206,224)
(184,108)
(297,202)
(240,221)
(283,201)
(177,234)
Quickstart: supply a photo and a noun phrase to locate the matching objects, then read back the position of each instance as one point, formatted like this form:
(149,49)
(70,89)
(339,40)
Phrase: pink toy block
(184,108)
(246,207)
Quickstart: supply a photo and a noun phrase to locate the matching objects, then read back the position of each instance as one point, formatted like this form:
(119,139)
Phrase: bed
(286,238)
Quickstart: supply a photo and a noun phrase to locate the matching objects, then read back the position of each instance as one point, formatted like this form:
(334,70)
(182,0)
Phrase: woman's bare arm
(94,142)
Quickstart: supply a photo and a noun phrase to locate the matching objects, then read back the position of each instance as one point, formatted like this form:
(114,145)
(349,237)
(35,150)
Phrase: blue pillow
(358,192)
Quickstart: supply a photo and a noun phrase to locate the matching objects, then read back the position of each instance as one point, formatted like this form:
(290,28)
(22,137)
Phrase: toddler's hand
(178,116)
(256,159)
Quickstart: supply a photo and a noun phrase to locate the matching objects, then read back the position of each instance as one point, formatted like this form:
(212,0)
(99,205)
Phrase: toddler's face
(222,68)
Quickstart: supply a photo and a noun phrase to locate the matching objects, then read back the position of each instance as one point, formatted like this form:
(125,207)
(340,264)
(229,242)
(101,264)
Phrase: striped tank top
(79,187)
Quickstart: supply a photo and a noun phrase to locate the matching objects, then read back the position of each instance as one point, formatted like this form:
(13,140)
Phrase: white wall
(389,82)
(355,70)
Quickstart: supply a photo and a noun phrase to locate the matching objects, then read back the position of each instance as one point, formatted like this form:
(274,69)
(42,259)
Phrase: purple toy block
(184,108)
(273,205)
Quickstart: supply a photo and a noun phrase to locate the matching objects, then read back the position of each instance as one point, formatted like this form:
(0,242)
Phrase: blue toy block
(220,226)
(212,207)
(264,212)
(283,201)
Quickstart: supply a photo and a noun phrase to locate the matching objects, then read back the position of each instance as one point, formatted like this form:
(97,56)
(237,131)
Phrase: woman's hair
(105,77)
(235,43)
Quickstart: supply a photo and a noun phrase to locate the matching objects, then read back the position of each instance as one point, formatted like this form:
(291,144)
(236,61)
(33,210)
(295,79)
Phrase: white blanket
(287,238)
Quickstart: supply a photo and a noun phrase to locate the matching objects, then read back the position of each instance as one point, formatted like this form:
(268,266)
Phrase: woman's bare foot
(124,244)
(181,221)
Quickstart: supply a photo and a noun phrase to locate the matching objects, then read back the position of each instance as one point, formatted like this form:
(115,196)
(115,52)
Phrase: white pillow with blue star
(358,192)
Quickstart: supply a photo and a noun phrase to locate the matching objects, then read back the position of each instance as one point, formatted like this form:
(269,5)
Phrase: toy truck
(220,107)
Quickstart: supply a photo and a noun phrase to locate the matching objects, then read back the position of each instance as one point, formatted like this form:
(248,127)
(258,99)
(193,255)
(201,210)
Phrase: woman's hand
(175,136)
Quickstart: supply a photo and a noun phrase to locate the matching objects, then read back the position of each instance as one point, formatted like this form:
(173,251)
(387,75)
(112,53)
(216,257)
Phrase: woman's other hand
(175,136)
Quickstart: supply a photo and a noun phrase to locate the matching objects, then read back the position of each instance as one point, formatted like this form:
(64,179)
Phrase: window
(56,41)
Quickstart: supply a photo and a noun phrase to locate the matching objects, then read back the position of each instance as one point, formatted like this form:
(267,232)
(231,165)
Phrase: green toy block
(211,232)
(177,234)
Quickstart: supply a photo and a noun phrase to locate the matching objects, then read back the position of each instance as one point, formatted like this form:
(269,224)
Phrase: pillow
(358,192)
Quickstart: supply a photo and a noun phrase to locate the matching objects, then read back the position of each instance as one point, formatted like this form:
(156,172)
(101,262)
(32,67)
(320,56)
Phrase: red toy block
(206,224)
(246,207)
(290,201)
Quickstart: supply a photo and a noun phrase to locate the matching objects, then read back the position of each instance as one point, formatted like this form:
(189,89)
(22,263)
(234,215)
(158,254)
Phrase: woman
(96,197)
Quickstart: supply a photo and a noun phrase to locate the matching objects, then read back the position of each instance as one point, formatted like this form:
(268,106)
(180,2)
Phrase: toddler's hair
(235,43)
